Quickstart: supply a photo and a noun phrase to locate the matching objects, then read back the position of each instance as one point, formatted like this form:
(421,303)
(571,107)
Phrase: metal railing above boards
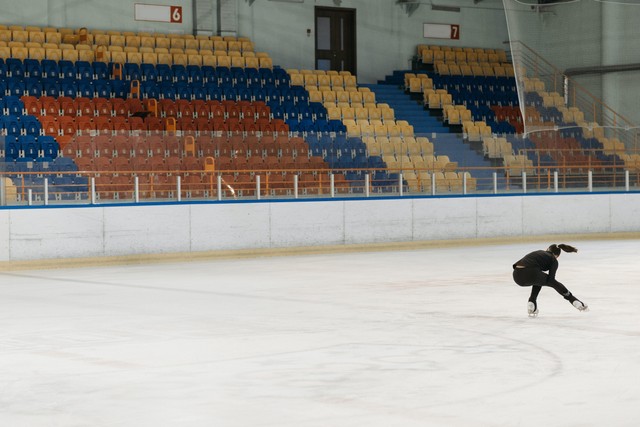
(100,187)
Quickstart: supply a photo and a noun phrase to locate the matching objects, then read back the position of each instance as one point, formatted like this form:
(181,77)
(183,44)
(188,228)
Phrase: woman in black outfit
(529,272)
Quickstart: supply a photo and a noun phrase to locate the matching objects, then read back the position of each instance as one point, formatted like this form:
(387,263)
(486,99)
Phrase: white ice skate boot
(532,309)
(580,305)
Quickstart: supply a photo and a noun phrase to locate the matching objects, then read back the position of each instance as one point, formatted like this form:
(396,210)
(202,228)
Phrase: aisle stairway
(445,142)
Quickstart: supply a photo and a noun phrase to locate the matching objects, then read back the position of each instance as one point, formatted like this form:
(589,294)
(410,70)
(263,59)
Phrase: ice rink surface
(430,337)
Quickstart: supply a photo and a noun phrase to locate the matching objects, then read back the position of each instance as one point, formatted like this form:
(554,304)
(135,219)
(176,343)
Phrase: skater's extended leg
(566,294)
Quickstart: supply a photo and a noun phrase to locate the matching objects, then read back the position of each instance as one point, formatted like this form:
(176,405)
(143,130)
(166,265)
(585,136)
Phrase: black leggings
(532,276)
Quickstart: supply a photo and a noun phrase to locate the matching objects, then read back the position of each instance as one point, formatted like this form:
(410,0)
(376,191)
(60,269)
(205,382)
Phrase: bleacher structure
(476,89)
(127,108)
(182,116)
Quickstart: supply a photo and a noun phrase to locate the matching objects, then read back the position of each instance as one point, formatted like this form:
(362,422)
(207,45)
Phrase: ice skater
(529,271)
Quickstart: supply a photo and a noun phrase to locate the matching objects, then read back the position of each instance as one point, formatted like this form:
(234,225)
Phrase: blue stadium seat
(32,68)
(195,75)
(167,91)
(28,146)
(11,147)
(67,69)
(209,74)
(100,70)
(273,94)
(132,71)
(49,146)
(64,164)
(15,68)
(288,95)
(183,91)
(68,87)
(31,125)
(15,86)
(9,166)
(11,125)
(224,76)
(259,94)
(244,94)
(119,89)
(253,77)
(164,73)
(179,72)
(102,88)
(307,125)
(199,92)
(50,87)
(12,105)
(50,69)
(84,70)
(148,72)
(32,86)
(267,77)
(238,76)
(280,76)
(85,89)
(337,126)
(149,89)
(290,111)
(229,93)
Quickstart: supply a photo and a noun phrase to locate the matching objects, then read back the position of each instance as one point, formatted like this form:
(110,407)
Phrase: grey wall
(386,36)
(587,33)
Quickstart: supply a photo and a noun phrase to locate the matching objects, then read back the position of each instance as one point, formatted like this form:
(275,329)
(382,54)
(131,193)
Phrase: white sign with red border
(442,31)
(157,13)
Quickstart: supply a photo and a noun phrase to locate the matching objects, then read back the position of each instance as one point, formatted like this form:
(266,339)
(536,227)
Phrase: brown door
(336,39)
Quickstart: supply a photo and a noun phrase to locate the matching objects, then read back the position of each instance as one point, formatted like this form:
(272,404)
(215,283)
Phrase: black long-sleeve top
(543,260)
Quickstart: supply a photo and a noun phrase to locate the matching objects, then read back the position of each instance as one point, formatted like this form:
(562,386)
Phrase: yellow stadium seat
(266,63)
(53,54)
(224,61)
(134,57)
(210,60)
(205,45)
(191,44)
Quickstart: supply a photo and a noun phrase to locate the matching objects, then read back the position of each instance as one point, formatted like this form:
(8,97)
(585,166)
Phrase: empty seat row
(29,72)
(29,147)
(130,43)
(157,56)
(156,145)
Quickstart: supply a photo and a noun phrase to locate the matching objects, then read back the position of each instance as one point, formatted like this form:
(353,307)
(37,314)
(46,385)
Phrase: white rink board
(129,230)
(444,218)
(56,233)
(4,235)
(314,223)
(491,212)
(566,214)
(146,230)
(377,221)
(229,226)
(625,212)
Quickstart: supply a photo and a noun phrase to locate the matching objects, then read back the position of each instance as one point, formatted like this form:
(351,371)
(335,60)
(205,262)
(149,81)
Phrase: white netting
(578,73)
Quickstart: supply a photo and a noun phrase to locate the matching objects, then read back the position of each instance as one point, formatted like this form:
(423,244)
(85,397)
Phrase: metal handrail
(595,110)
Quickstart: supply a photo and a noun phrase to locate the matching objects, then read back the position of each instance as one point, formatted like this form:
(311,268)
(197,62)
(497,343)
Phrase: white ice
(431,337)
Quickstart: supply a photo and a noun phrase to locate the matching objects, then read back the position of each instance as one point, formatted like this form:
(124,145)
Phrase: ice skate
(532,309)
(580,305)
